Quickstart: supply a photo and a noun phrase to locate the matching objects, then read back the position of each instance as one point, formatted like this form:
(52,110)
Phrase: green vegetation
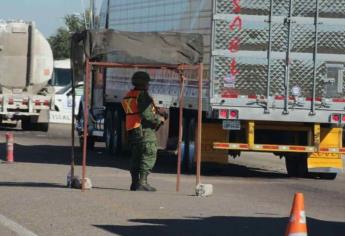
(60,42)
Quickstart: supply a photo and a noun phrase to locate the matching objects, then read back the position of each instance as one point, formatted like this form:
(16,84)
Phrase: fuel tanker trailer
(26,65)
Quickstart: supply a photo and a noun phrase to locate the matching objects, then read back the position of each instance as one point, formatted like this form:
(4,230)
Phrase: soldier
(142,121)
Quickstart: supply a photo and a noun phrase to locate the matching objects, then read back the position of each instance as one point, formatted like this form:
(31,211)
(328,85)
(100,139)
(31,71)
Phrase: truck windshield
(62,77)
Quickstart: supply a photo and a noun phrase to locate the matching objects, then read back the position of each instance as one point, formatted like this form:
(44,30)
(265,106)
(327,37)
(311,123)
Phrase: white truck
(26,66)
(273,79)
(62,76)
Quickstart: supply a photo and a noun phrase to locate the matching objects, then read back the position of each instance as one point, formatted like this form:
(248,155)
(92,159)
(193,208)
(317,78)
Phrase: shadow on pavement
(31,184)
(169,165)
(237,226)
(9,127)
(61,155)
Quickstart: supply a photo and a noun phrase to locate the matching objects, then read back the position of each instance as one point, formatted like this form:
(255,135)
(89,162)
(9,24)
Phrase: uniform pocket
(150,148)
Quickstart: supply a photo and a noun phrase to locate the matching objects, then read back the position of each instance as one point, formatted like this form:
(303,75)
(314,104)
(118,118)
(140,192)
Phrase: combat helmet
(140,79)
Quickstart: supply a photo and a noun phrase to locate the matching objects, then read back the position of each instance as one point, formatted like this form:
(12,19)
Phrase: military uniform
(142,121)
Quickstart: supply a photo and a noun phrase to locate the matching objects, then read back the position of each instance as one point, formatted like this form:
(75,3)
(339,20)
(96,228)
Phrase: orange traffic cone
(298,223)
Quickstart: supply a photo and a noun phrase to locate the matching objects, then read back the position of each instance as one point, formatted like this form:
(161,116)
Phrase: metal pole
(312,111)
(269,52)
(180,133)
(287,70)
(107,16)
(86,116)
(199,125)
(73,124)
(92,12)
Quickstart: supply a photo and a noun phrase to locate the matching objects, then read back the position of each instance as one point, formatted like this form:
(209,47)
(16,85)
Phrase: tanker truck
(26,66)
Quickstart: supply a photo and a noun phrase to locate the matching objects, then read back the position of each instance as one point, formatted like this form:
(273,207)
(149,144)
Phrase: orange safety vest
(130,106)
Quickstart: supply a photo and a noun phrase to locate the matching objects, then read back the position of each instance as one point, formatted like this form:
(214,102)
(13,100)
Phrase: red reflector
(223,114)
(37,103)
(25,102)
(343,118)
(233,114)
(341,149)
(252,96)
(338,99)
(10,101)
(221,145)
(270,147)
(310,99)
(297,148)
(229,95)
(279,97)
(324,149)
(336,117)
(244,146)
(46,103)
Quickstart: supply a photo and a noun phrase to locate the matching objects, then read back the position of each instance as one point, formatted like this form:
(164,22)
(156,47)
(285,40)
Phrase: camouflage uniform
(143,142)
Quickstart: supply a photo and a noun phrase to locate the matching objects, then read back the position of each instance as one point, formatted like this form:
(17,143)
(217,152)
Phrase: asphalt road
(252,195)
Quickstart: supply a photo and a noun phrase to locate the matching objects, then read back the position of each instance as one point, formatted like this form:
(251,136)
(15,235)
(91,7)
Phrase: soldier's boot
(144,185)
(135,180)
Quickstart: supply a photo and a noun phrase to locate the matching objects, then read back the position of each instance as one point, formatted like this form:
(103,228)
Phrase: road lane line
(15,227)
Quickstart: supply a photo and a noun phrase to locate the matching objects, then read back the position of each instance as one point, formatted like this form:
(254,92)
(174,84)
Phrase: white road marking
(15,227)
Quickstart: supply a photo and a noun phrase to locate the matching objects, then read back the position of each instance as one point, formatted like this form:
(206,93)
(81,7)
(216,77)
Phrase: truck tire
(90,143)
(327,176)
(43,127)
(108,132)
(296,165)
(188,154)
(113,132)
(27,124)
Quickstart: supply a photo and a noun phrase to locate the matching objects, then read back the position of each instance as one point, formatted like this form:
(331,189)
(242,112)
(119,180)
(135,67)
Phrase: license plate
(231,124)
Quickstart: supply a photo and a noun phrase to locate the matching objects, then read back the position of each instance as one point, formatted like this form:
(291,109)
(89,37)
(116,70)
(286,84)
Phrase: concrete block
(77,183)
(204,190)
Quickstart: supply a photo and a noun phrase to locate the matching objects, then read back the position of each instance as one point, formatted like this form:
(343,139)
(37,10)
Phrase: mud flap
(327,162)
(213,132)
(43,117)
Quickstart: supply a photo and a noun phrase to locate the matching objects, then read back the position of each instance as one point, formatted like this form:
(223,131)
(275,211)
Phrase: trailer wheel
(189,145)
(112,132)
(118,139)
(108,132)
(43,127)
(296,165)
(90,143)
(27,124)
(328,176)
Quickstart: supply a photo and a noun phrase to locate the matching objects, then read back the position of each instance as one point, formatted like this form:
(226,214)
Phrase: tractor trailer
(273,79)
(26,66)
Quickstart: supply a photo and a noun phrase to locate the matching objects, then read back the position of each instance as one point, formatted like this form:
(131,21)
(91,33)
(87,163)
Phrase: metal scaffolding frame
(179,69)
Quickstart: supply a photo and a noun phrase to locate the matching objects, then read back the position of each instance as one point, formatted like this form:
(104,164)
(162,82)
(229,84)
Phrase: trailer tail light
(37,103)
(25,102)
(343,118)
(335,118)
(46,103)
(233,115)
(223,114)
(11,101)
